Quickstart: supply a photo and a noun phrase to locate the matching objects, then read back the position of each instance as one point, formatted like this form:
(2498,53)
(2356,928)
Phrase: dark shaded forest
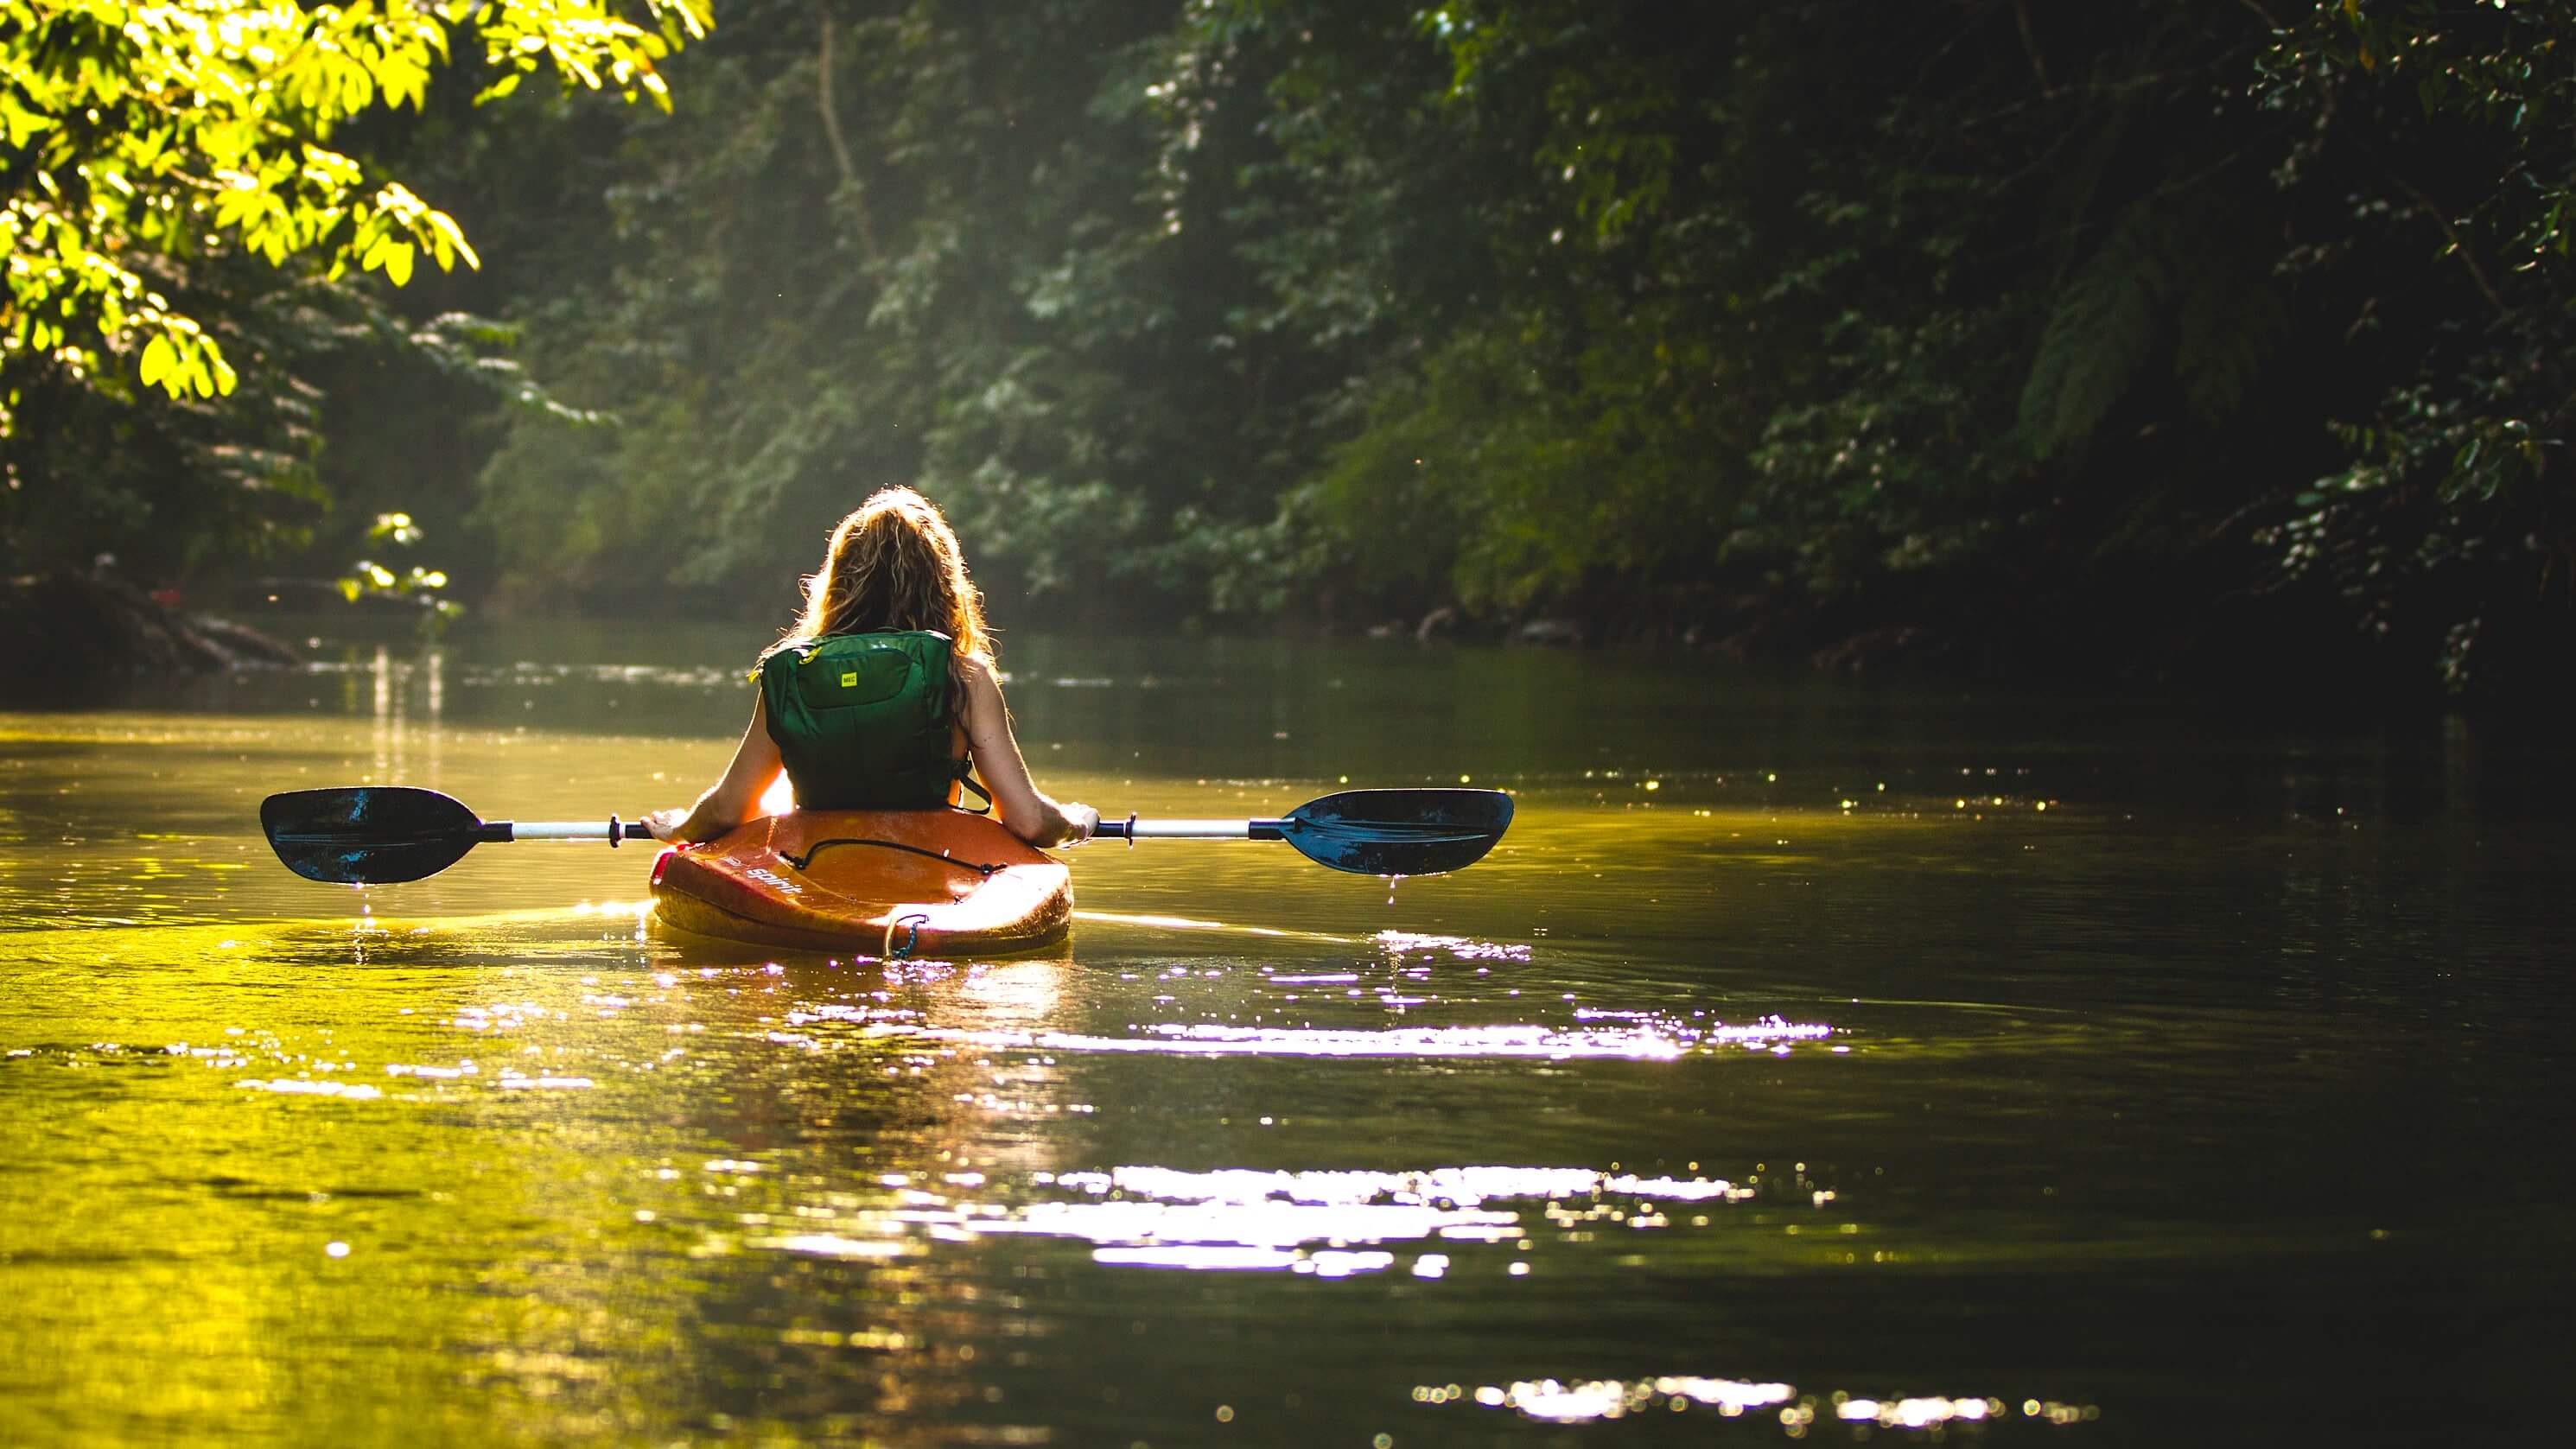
(2215,345)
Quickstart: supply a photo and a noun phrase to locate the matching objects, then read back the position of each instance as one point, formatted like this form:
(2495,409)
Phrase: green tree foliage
(902,243)
(2450,525)
(2129,337)
(1850,315)
(152,150)
(1814,303)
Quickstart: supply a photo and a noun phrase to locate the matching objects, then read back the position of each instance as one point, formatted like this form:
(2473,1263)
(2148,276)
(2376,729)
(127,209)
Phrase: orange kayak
(934,883)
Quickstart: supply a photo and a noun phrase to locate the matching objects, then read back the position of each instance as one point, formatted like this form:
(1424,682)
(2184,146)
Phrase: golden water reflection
(1826,1062)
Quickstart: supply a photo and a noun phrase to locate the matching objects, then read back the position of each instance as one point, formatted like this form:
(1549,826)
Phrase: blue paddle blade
(1398,832)
(368,834)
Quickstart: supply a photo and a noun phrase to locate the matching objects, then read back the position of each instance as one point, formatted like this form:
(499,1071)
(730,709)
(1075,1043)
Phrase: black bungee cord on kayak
(910,924)
(806,861)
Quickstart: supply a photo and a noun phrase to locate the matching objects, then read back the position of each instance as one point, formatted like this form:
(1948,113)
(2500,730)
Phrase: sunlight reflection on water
(1588,1400)
(1245,1219)
(1461,1041)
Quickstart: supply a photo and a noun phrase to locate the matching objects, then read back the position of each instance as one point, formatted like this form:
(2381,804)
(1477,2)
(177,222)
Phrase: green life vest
(864,721)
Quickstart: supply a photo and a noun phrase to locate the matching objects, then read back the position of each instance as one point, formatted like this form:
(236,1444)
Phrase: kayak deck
(873,882)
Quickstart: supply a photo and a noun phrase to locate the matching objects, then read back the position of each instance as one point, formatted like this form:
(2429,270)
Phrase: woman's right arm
(735,796)
(1017,801)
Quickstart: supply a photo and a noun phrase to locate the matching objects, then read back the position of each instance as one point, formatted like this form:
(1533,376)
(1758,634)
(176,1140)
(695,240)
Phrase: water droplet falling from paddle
(1391,882)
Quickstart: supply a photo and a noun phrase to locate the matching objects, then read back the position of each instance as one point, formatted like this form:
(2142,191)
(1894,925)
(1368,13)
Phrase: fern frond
(2107,321)
(2229,328)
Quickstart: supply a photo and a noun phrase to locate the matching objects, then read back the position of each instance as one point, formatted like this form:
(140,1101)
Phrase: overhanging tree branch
(852,188)
(2459,244)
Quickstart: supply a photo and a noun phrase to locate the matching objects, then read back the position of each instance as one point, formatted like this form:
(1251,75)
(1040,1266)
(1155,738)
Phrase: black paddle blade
(1399,832)
(367,834)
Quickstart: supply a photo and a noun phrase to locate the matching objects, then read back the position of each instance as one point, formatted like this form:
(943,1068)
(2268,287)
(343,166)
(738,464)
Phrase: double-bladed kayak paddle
(1365,832)
(381,834)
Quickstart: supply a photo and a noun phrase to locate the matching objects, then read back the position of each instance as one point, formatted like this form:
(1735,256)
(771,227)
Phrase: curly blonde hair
(893,564)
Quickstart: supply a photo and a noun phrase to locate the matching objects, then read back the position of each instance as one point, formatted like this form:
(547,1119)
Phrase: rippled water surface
(1808,1063)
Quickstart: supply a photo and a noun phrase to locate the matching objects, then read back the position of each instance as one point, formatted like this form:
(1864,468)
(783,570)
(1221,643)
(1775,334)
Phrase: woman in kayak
(883,696)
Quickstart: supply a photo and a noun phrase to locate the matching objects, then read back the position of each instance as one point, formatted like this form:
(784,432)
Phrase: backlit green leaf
(158,358)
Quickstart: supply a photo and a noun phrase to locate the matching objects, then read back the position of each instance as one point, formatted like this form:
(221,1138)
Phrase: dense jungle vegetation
(2219,341)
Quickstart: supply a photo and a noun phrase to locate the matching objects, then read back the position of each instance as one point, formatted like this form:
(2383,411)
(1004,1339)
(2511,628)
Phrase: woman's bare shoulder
(979,685)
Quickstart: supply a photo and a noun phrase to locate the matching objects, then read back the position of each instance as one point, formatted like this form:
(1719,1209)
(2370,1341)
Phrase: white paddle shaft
(559,830)
(1189,830)
(612,830)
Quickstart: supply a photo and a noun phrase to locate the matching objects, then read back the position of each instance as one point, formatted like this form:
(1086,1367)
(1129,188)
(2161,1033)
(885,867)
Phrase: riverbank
(64,634)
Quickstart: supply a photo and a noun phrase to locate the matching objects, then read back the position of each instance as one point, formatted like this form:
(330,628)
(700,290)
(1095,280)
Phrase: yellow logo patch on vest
(850,680)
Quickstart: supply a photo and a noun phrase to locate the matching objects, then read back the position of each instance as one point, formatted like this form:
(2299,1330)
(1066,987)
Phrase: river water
(1810,1062)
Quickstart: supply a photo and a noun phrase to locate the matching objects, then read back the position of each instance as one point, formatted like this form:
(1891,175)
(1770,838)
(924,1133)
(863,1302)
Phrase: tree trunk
(853,191)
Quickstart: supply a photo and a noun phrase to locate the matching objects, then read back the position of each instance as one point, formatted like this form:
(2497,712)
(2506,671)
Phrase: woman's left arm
(1017,801)
(735,796)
